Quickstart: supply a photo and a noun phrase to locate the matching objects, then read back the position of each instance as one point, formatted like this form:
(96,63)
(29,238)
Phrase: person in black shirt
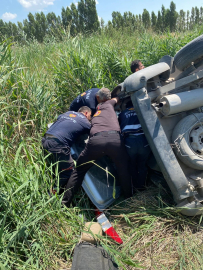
(104,140)
(136,145)
(88,98)
(60,136)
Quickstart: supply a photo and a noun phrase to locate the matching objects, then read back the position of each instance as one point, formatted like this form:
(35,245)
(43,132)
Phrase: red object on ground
(113,234)
(97,212)
(53,191)
(108,229)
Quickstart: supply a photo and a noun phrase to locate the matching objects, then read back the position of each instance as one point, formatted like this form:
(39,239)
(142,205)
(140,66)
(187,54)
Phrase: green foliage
(152,47)
(37,81)
(86,64)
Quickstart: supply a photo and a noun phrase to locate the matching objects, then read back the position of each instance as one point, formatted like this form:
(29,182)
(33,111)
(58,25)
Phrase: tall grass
(38,81)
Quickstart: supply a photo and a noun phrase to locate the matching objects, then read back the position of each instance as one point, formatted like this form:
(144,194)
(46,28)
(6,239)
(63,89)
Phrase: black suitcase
(92,257)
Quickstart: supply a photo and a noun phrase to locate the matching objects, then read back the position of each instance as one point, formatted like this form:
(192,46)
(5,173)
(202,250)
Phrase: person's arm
(87,127)
(113,101)
(116,99)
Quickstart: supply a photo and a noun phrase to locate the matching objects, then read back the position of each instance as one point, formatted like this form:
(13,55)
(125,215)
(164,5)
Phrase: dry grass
(158,238)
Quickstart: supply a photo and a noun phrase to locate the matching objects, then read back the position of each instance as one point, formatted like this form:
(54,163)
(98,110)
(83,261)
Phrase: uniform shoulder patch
(97,113)
(83,94)
(72,115)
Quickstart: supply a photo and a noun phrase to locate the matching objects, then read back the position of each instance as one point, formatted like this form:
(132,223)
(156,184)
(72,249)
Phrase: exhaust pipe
(181,102)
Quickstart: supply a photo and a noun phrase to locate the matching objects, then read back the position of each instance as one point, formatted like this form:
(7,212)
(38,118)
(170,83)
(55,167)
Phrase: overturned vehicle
(168,99)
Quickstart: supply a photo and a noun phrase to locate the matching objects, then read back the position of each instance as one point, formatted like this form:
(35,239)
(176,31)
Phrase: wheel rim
(196,139)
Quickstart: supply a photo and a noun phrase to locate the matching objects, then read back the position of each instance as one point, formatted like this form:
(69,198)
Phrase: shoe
(66,203)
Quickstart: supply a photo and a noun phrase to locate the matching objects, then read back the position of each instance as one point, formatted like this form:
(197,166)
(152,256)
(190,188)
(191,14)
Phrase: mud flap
(160,145)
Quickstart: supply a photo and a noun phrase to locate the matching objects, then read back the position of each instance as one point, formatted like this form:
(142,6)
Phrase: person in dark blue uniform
(88,98)
(136,145)
(60,136)
(105,139)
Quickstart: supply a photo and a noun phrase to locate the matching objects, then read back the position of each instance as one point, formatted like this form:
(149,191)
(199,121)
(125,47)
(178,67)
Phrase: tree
(109,27)
(137,22)
(41,26)
(82,16)
(192,18)
(159,22)
(75,20)
(102,23)
(11,30)
(117,20)
(140,19)
(146,19)
(29,26)
(201,13)
(163,18)
(51,22)
(188,20)
(167,20)
(129,20)
(153,20)
(66,17)
(197,15)
(173,17)
(3,30)
(32,24)
(53,25)
(92,22)
(181,20)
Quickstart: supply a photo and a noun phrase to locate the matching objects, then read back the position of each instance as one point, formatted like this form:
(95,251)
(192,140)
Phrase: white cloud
(99,18)
(36,4)
(97,2)
(8,16)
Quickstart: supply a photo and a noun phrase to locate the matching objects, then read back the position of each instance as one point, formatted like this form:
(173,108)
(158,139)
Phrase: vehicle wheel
(189,53)
(188,138)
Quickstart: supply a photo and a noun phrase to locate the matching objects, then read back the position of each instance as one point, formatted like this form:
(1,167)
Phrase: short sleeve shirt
(69,126)
(129,122)
(87,98)
(105,118)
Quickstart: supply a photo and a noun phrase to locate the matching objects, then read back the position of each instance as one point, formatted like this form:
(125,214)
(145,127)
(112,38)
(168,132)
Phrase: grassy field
(38,82)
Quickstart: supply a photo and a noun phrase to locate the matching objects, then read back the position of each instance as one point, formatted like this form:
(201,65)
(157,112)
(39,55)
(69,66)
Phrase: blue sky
(17,10)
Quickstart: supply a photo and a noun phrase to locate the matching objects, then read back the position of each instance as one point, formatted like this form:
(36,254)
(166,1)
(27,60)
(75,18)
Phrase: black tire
(189,53)
(185,140)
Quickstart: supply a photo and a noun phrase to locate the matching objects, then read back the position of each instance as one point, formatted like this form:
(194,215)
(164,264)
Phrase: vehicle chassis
(146,87)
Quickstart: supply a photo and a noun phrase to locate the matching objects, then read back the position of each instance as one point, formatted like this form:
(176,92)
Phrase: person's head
(129,104)
(103,95)
(86,111)
(136,65)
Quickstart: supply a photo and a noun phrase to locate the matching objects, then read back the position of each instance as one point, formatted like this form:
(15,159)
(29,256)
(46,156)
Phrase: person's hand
(116,99)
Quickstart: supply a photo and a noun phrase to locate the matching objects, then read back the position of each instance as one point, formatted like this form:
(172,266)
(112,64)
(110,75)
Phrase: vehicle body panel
(98,182)
(158,128)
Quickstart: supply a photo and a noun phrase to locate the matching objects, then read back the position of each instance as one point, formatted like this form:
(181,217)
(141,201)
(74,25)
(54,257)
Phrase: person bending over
(105,139)
(60,136)
(88,98)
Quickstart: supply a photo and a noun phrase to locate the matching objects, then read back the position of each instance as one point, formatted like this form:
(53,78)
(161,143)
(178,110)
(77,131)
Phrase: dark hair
(135,64)
(84,109)
(129,104)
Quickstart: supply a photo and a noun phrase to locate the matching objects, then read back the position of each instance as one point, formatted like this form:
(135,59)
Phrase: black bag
(92,257)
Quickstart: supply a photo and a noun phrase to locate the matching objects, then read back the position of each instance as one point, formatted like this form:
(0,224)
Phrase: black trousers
(97,147)
(138,149)
(62,159)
